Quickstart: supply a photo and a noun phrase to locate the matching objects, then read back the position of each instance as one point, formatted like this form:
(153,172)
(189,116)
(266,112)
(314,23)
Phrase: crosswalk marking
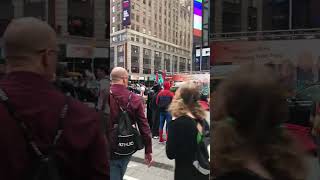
(129,178)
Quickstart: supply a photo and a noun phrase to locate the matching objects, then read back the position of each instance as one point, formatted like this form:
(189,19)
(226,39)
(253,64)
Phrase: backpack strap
(117,101)
(26,131)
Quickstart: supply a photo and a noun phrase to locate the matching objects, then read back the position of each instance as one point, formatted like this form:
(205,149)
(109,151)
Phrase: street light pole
(290,14)
(93,54)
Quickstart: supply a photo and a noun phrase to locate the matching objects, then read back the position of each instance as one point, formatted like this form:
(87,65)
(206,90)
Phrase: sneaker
(155,137)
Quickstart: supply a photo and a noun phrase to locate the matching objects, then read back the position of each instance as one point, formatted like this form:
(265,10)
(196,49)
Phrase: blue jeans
(164,117)
(118,168)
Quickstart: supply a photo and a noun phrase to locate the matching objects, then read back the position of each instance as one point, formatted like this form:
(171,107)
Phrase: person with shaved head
(55,124)
(120,96)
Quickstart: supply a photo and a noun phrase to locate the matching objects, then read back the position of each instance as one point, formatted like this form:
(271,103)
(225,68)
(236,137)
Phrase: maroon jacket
(82,146)
(135,110)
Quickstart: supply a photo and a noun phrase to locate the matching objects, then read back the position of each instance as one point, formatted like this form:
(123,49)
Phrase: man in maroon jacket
(119,81)
(31,53)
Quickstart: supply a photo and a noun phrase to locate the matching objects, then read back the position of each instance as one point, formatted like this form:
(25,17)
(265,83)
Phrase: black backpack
(201,156)
(44,166)
(127,137)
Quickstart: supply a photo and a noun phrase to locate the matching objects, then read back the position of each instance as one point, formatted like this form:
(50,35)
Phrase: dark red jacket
(83,146)
(135,110)
(302,135)
(204,105)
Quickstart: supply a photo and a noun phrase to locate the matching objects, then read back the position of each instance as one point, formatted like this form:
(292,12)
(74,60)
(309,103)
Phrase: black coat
(149,109)
(155,115)
(182,146)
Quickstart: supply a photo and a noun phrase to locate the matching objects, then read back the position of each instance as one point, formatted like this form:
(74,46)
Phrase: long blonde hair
(249,110)
(186,101)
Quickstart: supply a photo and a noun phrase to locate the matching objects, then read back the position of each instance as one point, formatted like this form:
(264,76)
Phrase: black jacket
(181,146)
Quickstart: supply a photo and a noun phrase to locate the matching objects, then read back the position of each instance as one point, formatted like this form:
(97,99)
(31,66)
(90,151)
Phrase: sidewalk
(162,168)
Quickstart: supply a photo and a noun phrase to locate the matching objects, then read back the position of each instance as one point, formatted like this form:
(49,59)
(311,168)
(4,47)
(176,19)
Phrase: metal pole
(290,14)
(92,64)
(201,43)
(201,54)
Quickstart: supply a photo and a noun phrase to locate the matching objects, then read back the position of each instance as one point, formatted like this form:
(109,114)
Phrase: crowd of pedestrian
(46,132)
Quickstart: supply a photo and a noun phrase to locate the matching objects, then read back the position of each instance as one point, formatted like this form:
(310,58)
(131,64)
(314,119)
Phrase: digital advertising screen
(197,18)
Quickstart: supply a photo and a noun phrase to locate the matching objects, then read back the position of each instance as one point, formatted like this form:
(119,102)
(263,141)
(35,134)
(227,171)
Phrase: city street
(162,168)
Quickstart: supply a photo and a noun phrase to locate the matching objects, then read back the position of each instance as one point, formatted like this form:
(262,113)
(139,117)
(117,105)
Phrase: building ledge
(268,35)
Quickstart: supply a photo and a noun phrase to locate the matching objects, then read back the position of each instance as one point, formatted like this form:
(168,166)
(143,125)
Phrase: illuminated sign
(205,52)
(126,13)
(197,18)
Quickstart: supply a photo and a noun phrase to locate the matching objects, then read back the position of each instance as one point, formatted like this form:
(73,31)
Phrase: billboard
(126,13)
(79,51)
(197,18)
(205,52)
(296,61)
(299,52)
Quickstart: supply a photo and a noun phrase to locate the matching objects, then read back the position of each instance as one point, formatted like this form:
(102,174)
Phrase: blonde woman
(185,131)
(249,140)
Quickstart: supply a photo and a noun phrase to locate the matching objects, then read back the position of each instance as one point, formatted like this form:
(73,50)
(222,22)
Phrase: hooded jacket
(164,97)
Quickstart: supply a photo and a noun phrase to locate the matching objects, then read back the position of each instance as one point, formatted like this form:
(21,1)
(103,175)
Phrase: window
(135,54)
(79,24)
(157,61)
(146,61)
(144,21)
(138,18)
